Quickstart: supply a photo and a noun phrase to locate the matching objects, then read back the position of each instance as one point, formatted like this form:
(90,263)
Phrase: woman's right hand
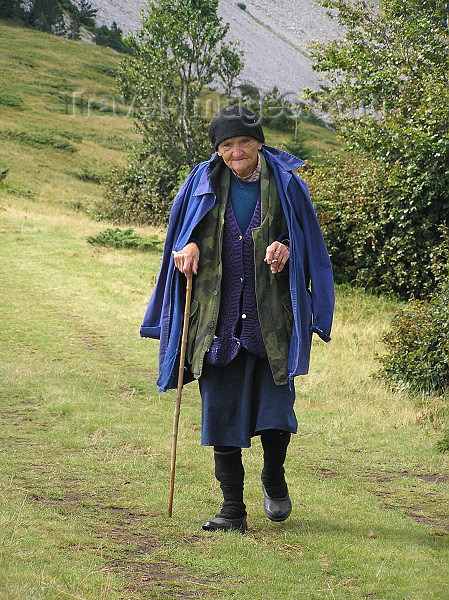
(186,260)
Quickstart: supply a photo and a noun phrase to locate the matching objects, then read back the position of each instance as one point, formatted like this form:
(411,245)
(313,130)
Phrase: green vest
(272,291)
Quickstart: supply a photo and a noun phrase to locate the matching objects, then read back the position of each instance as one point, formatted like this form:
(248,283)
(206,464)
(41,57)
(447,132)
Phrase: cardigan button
(211,324)
(215,292)
(243,316)
(240,237)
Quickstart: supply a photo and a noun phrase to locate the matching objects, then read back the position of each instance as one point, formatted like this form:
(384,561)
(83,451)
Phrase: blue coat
(308,264)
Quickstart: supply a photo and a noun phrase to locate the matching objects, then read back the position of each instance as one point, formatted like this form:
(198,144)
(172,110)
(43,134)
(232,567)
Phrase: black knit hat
(233,121)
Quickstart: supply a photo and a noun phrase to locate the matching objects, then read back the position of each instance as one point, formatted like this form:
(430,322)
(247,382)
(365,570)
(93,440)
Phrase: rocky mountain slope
(273,35)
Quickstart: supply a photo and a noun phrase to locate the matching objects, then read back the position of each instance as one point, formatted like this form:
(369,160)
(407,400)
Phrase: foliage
(11,9)
(37,140)
(356,201)
(230,65)
(389,96)
(142,192)
(179,50)
(124,238)
(48,15)
(74,30)
(418,345)
(443,443)
(87,13)
(7,99)
(298,146)
(112,38)
(45,15)
(87,174)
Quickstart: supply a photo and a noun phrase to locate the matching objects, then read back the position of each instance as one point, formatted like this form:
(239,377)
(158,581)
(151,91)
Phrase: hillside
(273,35)
(62,122)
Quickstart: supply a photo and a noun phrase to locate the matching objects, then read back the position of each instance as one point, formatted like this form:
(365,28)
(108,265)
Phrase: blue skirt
(239,400)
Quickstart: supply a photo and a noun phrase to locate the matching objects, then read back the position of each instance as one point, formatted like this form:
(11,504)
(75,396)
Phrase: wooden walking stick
(182,357)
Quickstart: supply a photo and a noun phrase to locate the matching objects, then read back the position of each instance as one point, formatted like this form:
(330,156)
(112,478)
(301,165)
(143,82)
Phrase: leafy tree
(11,9)
(74,30)
(59,27)
(44,14)
(389,96)
(112,38)
(178,51)
(231,64)
(87,13)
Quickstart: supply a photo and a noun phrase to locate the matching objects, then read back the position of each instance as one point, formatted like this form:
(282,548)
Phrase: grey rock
(274,36)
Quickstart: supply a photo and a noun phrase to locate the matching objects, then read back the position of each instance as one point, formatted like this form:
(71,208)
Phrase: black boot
(277,504)
(230,473)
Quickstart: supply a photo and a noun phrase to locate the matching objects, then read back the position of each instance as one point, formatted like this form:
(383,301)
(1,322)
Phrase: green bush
(344,190)
(7,99)
(87,174)
(37,140)
(418,346)
(381,234)
(298,147)
(443,443)
(140,193)
(388,96)
(124,238)
(113,38)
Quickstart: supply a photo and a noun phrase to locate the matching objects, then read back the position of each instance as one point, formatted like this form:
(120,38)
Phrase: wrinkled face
(240,154)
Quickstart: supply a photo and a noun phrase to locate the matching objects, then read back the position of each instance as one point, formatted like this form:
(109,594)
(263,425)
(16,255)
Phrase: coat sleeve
(165,311)
(159,304)
(318,261)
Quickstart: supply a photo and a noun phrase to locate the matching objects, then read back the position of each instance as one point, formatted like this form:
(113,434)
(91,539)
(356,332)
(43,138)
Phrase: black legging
(230,472)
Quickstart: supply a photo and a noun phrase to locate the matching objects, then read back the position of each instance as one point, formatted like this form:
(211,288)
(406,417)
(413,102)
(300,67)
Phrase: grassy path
(86,450)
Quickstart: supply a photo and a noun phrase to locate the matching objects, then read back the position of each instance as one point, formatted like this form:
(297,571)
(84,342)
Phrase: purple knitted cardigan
(238,322)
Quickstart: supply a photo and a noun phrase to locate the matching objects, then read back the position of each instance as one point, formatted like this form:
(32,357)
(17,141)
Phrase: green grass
(85,436)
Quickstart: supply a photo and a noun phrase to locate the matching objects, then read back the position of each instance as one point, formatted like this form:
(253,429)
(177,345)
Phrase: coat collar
(284,159)
(273,155)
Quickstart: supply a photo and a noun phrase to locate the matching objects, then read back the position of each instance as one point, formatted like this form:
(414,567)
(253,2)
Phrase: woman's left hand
(276,256)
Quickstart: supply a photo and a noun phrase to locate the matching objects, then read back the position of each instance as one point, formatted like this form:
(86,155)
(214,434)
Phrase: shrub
(140,193)
(298,147)
(113,38)
(7,99)
(443,443)
(124,238)
(377,238)
(90,175)
(418,346)
(344,191)
(37,140)
(387,93)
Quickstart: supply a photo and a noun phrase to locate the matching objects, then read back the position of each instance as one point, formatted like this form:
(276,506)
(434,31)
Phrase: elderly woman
(244,225)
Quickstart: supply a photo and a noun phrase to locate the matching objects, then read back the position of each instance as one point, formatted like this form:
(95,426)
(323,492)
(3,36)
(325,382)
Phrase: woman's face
(240,154)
